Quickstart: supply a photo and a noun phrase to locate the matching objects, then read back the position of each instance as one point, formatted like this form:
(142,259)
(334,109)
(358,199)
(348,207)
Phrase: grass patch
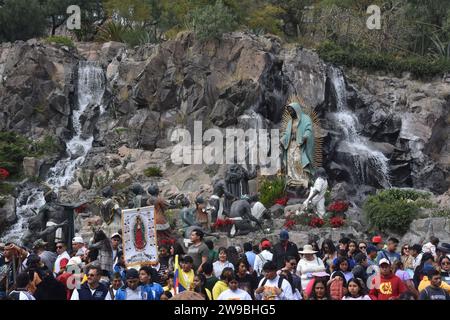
(60,40)
(271,190)
(153,172)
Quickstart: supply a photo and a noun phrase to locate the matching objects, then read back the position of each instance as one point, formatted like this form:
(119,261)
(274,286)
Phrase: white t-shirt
(305,267)
(239,294)
(259,263)
(269,287)
(134,294)
(108,296)
(57,266)
(366,297)
(219,266)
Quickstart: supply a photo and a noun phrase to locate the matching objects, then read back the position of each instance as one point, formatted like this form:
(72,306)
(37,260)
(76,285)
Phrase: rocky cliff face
(241,81)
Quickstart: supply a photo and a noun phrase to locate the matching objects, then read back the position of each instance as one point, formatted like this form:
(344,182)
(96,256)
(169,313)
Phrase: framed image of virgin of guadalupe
(139,236)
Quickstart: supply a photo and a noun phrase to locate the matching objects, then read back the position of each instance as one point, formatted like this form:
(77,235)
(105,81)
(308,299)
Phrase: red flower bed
(337,222)
(3,173)
(338,206)
(316,222)
(282,201)
(289,224)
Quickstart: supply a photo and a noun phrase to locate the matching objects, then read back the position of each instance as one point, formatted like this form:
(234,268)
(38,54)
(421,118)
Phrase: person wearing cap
(308,264)
(391,252)
(283,249)
(377,241)
(234,293)
(48,258)
(434,290)
(390,286)
(72,271)
(272,286)
(115,245)
(78,248)
(132,290)
(264,256)
(372,253)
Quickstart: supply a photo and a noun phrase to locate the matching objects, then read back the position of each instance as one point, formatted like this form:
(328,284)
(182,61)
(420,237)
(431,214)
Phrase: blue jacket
(156,290)
(146,293)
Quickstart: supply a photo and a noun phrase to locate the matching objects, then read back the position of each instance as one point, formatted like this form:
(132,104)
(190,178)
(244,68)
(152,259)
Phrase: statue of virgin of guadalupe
(300,151)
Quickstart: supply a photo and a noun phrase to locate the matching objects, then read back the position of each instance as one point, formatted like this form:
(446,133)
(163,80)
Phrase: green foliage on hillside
(14,147)
(414,35)
(394,209)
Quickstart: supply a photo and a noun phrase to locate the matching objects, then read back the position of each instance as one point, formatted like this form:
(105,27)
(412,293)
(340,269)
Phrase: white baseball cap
(116,235)
(77,240)
(384,260)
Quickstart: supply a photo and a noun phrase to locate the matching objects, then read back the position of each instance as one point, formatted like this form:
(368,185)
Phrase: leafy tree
(21,20)
(212,21)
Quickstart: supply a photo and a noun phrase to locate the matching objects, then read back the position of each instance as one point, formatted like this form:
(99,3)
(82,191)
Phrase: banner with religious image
(139,236)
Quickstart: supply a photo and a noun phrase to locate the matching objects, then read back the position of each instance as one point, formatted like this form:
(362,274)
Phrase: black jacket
(280,254)
(50,289)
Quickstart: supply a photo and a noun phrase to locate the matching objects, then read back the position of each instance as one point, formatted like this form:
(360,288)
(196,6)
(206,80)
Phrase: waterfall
(90,90)
(366,159)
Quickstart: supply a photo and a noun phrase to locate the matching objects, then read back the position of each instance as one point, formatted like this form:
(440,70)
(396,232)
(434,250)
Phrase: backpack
(337,290)
(280,282)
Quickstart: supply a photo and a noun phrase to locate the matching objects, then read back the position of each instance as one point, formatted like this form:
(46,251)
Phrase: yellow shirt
(425,283)
(219,287)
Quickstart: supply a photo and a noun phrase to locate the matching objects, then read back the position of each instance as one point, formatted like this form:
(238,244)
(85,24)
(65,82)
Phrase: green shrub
(393,209)
(271,190)
(13,148)
(6,188)
(212,21)
(153,172)
(61,40)
(443,213)
(363,58)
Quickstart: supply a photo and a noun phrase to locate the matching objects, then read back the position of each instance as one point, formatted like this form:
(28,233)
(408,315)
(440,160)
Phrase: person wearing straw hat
(308,264)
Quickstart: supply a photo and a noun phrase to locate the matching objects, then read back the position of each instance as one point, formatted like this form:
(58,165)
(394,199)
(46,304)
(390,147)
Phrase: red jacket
(390,286)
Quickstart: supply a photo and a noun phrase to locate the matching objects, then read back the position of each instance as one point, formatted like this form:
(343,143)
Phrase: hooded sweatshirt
(390,286)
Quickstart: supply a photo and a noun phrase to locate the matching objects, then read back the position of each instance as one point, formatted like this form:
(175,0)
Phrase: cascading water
(366,159)
(90,90)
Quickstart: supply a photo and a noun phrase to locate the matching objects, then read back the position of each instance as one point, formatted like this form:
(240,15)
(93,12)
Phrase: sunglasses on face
(91,275)
(362,247)
(445,263)
(59,247)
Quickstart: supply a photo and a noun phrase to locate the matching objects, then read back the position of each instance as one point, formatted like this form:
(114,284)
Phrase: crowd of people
(348,270)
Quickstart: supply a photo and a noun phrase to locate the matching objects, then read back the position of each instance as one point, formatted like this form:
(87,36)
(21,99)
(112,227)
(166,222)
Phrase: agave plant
(441,48)
(112,31)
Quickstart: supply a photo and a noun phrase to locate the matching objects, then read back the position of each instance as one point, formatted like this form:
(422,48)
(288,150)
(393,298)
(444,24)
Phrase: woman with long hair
(320,291)
(356,290)
(199,286)
(329,253)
